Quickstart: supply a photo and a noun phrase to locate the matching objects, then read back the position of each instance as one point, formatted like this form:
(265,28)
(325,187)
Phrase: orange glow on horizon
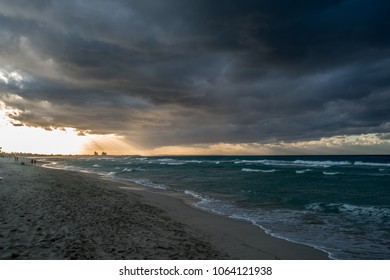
(35,140)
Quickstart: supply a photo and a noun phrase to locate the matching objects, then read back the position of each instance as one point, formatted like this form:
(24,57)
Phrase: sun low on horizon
(19,138)
(23,139)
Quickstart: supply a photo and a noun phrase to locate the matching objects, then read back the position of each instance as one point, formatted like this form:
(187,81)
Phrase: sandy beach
(56,214)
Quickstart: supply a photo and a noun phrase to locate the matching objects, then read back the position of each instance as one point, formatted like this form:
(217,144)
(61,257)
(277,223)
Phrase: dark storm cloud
(187,72)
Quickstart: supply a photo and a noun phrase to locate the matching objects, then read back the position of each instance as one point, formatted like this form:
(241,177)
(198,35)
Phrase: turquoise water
(339,204)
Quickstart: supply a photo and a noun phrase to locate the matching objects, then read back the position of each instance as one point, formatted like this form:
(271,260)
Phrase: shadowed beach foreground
(56,214)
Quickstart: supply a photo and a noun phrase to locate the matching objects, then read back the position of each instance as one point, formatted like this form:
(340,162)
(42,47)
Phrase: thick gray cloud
(190,72)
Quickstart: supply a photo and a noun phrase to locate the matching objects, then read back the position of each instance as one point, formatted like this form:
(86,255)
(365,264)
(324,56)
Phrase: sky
(195,77)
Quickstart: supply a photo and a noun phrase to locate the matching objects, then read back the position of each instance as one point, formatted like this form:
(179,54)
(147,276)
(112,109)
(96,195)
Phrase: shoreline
(137,222)
(154,195)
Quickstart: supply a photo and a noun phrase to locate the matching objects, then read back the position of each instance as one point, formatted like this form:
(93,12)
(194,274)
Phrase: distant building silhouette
(96,153)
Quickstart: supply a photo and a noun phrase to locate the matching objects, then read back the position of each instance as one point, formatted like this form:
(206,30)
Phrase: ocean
(338,204)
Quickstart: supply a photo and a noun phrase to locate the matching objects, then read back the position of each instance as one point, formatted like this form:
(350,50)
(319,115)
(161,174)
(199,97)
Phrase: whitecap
(331,173)
(172,163)
(364,210)
(302,171)
(360,163)
(258,170)
(326,163)
(350,209)
(165,159)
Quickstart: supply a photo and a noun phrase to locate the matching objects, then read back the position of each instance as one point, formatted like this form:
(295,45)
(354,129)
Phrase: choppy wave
(298,163)
(360,163)
(258,217)
(264,162)
(165,160)
(194,161)
(170,161)
(56,165)
(258,170)
(331,173)
(128,170)
(335,241)
(149,183)
(302,171)
(326,163)
(365,211)
(350,209)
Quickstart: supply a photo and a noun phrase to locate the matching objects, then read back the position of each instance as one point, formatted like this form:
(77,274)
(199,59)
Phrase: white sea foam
(194,161)
(248,161)
(141,158)
(326,163)
(258,217)
(106,158)
(331,173)
(364,210)
(264,162)
(258,170)
(356,211)
(302,171)
(170,161)
(360,163)
(212,205)
(149,183)
(300,163)
(165,159)
(62,167)
(96,165)
(314,207)
(194,194)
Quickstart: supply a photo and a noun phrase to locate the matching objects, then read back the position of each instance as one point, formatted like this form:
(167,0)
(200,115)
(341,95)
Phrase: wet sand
(56,214)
